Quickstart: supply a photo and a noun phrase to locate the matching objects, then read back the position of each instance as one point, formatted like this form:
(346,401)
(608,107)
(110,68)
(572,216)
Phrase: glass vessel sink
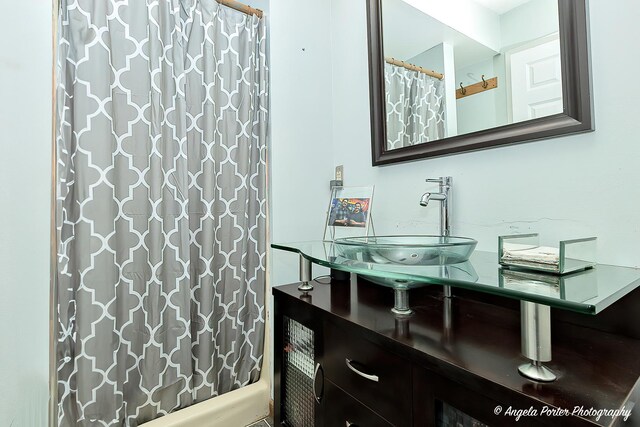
(438,252)
(407,250)
(462,271)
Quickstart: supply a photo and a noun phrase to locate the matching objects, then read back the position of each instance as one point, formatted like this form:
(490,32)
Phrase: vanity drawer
(344,411)
(377,378)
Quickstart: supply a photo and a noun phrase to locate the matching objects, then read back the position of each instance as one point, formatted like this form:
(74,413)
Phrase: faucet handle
(441,180)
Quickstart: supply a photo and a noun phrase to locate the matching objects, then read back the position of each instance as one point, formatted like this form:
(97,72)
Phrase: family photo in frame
(349,212)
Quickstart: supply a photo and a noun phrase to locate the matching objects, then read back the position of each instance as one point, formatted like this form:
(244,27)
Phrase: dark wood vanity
(343,359)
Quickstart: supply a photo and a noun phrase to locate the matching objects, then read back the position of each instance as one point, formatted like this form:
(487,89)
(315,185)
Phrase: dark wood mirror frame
(576,92)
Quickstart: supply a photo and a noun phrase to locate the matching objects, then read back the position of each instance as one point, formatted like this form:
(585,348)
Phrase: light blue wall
(579,185)
(477,112)
(534,19)
(25,182)
(301,151)
(431,59)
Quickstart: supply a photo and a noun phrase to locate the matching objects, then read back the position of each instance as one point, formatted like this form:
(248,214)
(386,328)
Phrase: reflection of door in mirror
(535,80)
(437,54)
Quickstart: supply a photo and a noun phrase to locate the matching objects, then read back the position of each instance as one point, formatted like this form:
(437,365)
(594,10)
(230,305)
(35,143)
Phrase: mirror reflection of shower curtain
(161,205)
(415,107)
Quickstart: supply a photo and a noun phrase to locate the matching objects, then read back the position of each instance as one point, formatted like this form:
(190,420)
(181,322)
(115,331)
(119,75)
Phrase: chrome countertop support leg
(447,291)
(305,275)
(535,325)
(401,302)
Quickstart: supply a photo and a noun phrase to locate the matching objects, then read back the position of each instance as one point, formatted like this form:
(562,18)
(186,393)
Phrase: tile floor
(267,422)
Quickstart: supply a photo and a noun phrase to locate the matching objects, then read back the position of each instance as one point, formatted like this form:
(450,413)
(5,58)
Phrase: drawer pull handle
(349,424)
(317,397)
(373,378)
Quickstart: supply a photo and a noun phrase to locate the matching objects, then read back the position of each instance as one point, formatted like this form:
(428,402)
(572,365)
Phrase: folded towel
(531,256)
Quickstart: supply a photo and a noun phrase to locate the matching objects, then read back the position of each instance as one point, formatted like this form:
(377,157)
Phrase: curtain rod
(241,7)
(412,67)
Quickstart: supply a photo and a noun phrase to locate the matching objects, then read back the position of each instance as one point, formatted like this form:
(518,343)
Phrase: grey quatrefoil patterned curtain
(161,205)
(415,107)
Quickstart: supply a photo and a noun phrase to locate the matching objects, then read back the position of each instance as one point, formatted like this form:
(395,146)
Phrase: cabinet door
(299,378)
(440,402)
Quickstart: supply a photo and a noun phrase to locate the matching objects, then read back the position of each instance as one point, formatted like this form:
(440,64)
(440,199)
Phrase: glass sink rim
(353,241)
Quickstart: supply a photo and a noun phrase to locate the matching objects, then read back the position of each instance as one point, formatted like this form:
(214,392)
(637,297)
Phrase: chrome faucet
(444,197)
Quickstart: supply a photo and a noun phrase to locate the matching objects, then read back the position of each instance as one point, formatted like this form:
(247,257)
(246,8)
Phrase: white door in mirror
(535,75)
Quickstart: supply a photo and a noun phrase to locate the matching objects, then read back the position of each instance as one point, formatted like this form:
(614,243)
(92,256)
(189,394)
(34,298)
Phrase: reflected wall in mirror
(459,75)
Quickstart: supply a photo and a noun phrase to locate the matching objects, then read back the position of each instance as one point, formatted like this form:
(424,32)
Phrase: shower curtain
(161,206)
(415,107)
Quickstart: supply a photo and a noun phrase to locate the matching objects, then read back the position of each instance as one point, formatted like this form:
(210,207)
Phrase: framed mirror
(454,76)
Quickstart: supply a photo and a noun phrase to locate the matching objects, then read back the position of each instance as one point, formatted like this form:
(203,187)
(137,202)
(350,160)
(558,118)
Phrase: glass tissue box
(525,252)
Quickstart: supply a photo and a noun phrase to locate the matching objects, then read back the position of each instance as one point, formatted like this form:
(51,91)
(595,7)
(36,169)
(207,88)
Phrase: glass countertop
(587,292)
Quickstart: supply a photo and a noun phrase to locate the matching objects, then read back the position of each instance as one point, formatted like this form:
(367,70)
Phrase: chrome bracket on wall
(305,275)
(535,326)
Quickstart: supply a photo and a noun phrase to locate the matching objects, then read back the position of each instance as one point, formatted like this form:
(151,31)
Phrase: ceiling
(407,34)
(501,6)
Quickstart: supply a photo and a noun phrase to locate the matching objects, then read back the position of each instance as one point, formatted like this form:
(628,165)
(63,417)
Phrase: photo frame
(349,213)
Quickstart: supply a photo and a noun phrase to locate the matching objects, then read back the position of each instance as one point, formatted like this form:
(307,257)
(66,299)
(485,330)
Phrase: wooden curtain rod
(241,7)
(412,67)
